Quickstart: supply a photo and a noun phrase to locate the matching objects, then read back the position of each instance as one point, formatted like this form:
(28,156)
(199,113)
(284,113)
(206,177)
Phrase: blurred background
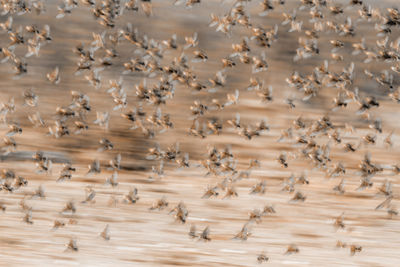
(143,237)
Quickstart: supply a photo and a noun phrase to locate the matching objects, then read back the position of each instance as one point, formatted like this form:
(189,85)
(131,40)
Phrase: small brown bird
(90,194)
(191,41)
(199,56)
(28,217)
(292,248)
(298,196)
(80,126)
(54,76)
(20,181)
(72,245)
(354,249)
(288,184)
(105,233)
(94,167)
(260,64)
(39,192)
(282,159)
(69,207)
(268,209)
(340,187)
(388,139)
(36,120)
(302,179)
(235,123)
(386,188)
(181,212)
(205,235)
(339,222)
(370,139)
(192,231)
(30,97)
(115,163)
(58,224)
(391,211)
(351,147)
(147,8)
(171,43)
(385,203)
(159,204)
(337,170)
(262,258)
(132,197)
(7,25)
(24,206)
(183,162)
(13,129)
(230,192)
(259,188)
(255,215)
(227,63)
(340,244)
(376,125)
(243,234)
(106,144)
(211,191)
(113,180)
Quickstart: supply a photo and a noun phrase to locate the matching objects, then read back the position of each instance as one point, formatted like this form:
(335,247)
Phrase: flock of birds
(311,140)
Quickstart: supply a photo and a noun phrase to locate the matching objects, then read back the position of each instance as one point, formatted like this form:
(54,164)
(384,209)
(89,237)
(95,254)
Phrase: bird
(191,41)
(106,144)
(69,207)
(54,76)
(132,197)
(105,234)
(72,245)
(7,25)
(28,217)
(282,159)
(192,231)
(39,192)
(261,258)
(160,204)
(292,248)
(205,235)
(255,215)
(339,222)
(298,196)
(230,192)
(259,188)
(94,167)
(340,187)
(340,244)
(268,209)
(243,234)
(58,224)
(354,249)
(210,191)
(181,212)
(90,195)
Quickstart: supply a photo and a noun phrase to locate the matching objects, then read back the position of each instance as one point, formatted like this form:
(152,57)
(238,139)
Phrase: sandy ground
(143,237)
